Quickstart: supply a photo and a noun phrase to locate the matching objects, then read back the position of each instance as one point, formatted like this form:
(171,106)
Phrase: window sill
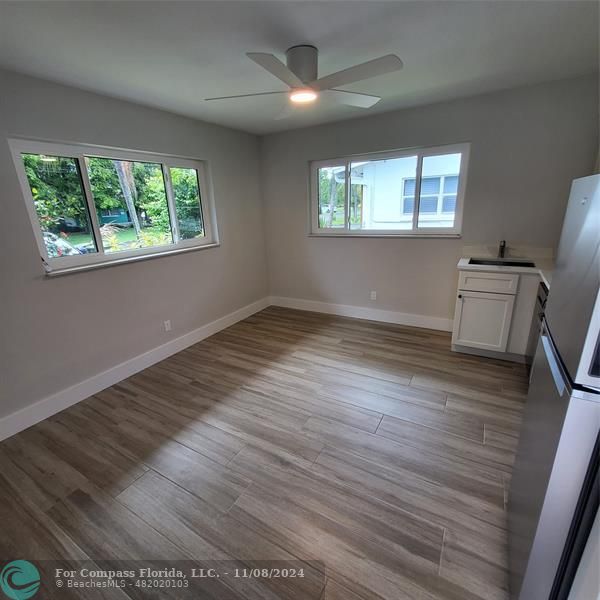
(59,271)
(387,235)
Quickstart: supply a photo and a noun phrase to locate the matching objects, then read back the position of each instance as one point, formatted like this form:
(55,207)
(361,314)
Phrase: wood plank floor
(366,452)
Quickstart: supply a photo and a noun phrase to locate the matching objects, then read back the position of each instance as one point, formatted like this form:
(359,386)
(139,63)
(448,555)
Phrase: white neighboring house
(387,189)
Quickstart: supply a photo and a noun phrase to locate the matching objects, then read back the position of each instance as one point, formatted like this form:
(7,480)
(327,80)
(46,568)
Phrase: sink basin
(501,262)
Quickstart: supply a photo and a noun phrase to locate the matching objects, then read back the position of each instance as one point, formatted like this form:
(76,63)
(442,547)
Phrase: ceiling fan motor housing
(303,61)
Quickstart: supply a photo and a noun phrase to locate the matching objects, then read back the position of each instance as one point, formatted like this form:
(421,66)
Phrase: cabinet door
(482,320)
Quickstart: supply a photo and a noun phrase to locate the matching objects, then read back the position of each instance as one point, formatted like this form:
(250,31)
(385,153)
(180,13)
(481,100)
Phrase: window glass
(186,193)
(450,184)
(89,210)
(57,191)
(436,211)
(449,204)
(408,203)
(131,203)
(383,185)
(356,205)
(428,204)
(430,186)
(332,197)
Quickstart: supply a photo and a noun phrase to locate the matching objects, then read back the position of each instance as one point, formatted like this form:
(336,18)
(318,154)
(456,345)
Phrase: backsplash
(512,251)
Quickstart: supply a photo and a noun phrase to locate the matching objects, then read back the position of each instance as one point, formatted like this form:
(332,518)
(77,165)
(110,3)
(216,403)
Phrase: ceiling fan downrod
(303,60)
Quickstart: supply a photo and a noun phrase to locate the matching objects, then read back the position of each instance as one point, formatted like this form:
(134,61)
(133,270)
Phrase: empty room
(300,300)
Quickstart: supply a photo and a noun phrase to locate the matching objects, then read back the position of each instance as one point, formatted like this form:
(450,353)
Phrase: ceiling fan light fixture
(303,84)
(303,95)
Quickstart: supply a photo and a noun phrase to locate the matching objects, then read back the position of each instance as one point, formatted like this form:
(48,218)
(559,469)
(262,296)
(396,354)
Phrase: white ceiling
(171,55)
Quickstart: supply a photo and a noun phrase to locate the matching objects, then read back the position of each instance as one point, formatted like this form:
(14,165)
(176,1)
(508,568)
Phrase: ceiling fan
(300,74)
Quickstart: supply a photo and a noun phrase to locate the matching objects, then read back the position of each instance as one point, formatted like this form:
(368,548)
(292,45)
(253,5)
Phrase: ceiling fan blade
(371,68)
(353,98)
(244,95)
(275,67)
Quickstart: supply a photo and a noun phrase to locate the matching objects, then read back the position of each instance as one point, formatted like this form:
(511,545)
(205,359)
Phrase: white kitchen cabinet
(482,320)
(494,310)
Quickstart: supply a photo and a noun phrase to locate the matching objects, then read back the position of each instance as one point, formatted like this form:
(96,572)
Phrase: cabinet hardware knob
(460,295)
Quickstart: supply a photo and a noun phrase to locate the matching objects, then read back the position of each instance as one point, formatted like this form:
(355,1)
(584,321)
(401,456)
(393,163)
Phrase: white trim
(388,235)
(462,148)
(46,407)
(87,193)
(34,413)
(417,199)
(173,221)
(363,312)
(79,152)
(181,249)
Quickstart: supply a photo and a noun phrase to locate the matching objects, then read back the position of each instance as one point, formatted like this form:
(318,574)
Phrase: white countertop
(543,267)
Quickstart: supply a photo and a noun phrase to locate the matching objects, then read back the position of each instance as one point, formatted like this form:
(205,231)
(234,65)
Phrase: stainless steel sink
(501,262)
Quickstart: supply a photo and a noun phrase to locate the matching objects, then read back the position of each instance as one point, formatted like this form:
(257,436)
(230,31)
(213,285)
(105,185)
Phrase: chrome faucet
(502,249)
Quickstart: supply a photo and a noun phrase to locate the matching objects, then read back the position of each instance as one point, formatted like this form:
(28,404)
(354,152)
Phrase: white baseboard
(362,312)
(32,414)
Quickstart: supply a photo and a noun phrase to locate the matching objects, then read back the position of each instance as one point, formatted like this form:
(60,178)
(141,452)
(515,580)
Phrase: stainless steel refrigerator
(558,445)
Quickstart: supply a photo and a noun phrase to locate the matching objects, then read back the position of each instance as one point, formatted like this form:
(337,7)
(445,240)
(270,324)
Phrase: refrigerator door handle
(559,380)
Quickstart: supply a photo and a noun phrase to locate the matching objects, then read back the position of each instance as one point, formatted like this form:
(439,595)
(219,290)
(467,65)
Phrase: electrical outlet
(373,295)
(168,325)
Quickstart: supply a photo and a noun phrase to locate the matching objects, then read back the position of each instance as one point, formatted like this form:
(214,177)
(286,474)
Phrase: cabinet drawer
(479,281)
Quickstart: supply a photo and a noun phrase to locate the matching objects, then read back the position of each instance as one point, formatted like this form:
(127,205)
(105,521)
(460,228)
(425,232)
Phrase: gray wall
(527,145)
(57,332)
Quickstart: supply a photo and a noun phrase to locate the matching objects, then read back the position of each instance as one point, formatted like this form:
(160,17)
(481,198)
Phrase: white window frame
(64,264)
(421,153)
